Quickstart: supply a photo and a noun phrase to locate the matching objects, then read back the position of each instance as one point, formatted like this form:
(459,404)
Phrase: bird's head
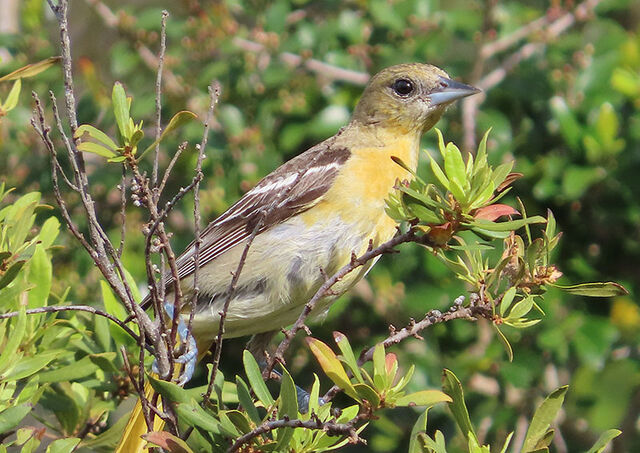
(411,97)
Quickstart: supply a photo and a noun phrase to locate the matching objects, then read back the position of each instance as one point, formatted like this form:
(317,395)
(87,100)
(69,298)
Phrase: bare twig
(169,169)
(85,308)
(223,313)
(325,69)
(456,311)
(123,210)
(163,48)
(324,290)
(214,95)
(330,427)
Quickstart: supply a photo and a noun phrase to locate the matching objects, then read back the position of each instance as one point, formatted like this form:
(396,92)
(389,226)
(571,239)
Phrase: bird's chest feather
(360,190)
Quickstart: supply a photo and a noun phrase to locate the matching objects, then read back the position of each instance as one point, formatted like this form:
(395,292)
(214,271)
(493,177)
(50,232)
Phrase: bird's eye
(402,87)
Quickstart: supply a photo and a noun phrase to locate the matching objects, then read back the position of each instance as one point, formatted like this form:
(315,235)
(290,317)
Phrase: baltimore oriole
(314,212)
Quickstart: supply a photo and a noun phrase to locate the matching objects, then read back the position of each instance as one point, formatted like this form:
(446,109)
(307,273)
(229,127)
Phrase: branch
(163,48)
(456,311)
(325,69)
(330,427)
(325,290)
(85,308)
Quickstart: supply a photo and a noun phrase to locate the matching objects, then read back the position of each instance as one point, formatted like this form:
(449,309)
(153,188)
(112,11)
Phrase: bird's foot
(189,358)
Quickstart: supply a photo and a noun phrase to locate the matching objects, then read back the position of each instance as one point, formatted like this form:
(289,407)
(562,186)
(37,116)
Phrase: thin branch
(123,210)
(85,308)
(163,48)
(330,427)
(231,290)
(456,311)
(214,95)
(325,289)
(325,69)
(169,169)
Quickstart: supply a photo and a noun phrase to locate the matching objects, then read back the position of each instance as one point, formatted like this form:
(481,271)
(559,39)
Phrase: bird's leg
(258,345)
(190,355)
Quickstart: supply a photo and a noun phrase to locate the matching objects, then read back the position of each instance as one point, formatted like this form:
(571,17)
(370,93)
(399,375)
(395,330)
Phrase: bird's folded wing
(291,189)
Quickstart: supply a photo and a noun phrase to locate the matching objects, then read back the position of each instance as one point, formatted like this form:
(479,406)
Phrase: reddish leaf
(167,441)
(390,360)
(510,179)
(440,234)
(494,211)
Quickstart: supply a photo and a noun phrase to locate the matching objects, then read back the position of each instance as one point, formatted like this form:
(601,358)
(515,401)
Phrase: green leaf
(194,415)
(167,441)
(178,120)
(31,365)
(505,342)
(505,303)
(604,440)
(511,225)
(379,368)
(72,372)
(95,148)
(30,70)
(288,407)
(170,391)
(66,445)
(542,419)
(506,443)
(481,155)
(115,308)
(454,166)
(121,109)
(14,338)
(255,379)
(452,387)
(11,417)
(49,232)
(244,397)
(419,427)
(331,366)
(423,214)
(96,134)
(424,398)
(522,307)
(11,273)
(438,173)
(598,289)
(347,354)
(366,392)
(12,97)
(500,173)
(40,274)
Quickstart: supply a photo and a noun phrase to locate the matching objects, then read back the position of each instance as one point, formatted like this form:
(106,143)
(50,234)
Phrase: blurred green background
(562,98)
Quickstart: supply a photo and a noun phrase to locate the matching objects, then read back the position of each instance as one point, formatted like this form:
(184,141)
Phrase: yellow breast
(364,183)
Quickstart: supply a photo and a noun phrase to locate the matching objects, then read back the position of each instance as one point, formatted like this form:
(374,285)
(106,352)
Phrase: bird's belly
(285,266)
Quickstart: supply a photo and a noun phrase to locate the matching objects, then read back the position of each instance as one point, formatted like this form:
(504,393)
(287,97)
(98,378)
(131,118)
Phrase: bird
(309,216)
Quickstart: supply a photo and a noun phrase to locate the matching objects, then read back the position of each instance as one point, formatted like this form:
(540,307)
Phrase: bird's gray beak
(450,91)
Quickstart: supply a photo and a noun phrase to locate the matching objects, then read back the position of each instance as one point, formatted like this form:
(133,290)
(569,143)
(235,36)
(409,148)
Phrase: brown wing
(292,188)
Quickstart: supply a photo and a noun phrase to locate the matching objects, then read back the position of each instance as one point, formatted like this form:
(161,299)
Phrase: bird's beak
(450,91)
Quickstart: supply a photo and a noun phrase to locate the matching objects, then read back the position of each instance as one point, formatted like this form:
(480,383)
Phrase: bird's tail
(132,441)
